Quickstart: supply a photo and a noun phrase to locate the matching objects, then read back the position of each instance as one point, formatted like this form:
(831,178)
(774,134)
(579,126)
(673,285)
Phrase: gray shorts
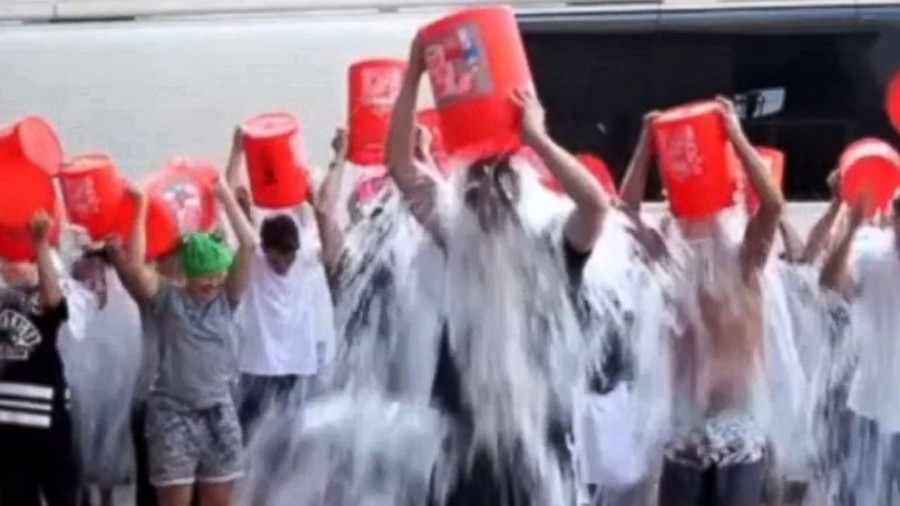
(202,445)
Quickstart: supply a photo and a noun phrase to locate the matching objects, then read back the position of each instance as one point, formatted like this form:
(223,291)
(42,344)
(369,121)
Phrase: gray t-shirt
(197,350)
(150,354)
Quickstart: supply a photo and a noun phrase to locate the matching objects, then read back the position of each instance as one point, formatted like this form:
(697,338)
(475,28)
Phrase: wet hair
(280,233)
(502,176)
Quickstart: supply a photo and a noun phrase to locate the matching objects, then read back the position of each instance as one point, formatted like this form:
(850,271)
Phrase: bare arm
(823,228)
(242,269)
(142,278)
(761,230)
(48,279)
(836,270)
(634,185)
(591,203)
(419,188)
(233,174)
(793,245)
(325,205)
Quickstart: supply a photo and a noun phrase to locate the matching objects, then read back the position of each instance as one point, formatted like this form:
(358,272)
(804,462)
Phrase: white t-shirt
(282,319)
(875,316)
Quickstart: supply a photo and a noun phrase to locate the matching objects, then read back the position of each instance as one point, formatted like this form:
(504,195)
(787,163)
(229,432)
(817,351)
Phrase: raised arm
(418,188)
(836,270)
(761,230)
(233,173)
(823,229)
(584,225)
(793,244)
(48,279)
(634,185)
(242,269)
(326,205)
(137,274)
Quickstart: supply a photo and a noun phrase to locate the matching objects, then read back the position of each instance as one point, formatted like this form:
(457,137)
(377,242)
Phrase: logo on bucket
(380,86)
(81,197)
(458,66)
(681,154)
(186,202)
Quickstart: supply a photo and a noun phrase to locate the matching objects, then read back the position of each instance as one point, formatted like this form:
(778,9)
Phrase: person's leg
(174,495)
(221,455)
(145,493)
(739,484)
(681,484)
(255,395)
(59,476)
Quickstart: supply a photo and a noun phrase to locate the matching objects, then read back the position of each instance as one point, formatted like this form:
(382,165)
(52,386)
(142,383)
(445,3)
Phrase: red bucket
(431,120)
(162,229)
(892,101)
(870,165)
(694,154)
(31,140)
(600,170)
(373,88)
(24,188)
(475,60)
(92,189)
(275,160)
(186,186)
(16,244)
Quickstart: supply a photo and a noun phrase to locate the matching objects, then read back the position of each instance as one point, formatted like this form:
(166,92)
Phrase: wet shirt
(197,349)
(446,390)
(32,384)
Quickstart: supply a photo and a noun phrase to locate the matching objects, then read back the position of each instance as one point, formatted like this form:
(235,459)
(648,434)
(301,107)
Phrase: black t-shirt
(445,391)
(32,383)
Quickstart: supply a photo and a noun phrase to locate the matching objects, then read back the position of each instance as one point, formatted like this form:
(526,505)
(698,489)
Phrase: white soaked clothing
(285,322)
(875,314)
(609,451)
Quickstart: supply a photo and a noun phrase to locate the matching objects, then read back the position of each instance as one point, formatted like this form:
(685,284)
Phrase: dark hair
(280,233)
(497,171)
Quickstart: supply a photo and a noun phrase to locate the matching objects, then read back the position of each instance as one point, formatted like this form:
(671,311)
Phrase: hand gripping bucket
(33,141)
(373,88)
(475,60)
(870,165)
(694,153)
(162,229)
(600,171)
(186,187)
(93,189)
(16,244)
(774,159)
(275,160)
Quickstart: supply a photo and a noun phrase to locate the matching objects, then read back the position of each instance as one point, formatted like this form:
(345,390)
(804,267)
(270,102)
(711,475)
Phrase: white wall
(144,91)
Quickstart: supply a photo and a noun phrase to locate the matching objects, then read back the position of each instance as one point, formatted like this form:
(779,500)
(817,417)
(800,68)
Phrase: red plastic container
(162,229)
(16,244)
(186,186)
(31,140)
(694,154)
(93,189)
(892,101)
(600,170)
(870,165)
(24,188)
(275,162)
(775,160)
(475,60)
(373,88)
(431,120)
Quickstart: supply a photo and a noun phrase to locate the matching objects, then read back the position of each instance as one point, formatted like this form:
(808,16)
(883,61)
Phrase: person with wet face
(718,456)
(491,193)
(36,438)
(864,268)
(193,432)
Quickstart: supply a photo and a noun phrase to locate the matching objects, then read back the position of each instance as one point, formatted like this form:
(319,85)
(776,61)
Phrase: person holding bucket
(36,435)
(719,454)
(193,432)
(488,459)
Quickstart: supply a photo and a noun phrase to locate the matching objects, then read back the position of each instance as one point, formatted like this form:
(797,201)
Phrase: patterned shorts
(725,439)
(202,445)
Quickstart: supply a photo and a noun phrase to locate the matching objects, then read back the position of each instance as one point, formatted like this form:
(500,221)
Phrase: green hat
(203,254)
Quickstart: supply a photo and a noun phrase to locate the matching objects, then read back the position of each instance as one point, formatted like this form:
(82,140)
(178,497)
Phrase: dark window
(597,86)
